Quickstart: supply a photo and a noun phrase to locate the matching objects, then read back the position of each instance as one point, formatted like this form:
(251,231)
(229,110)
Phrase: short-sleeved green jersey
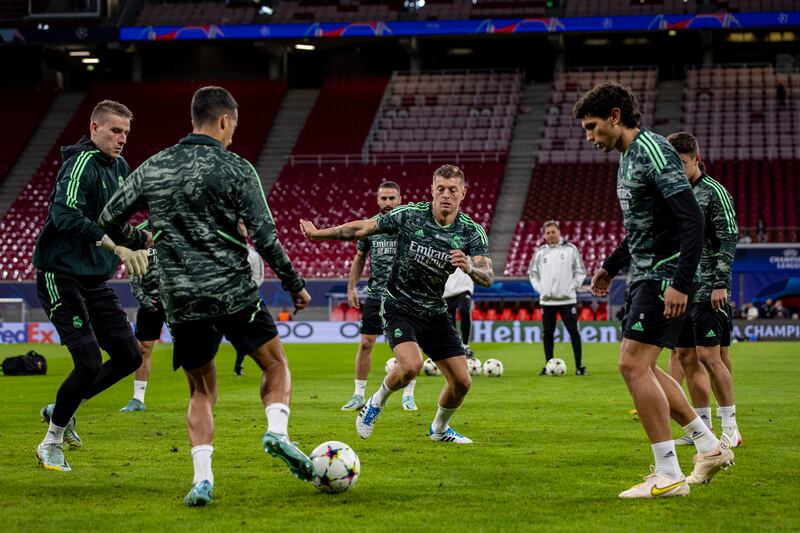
(651,171)
(381,250)
(721,234)
(422,264)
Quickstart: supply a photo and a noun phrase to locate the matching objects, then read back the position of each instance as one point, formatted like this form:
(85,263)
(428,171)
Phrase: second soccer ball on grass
(555,367)
(493,368)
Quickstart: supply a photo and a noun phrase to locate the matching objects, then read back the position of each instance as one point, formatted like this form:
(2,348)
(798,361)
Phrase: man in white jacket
(556,271)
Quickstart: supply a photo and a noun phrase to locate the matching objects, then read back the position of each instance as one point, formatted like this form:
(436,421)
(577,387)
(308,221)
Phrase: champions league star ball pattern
(555,367)
(475,367)
(492,368)
(430,368)
(390,364)
(336,466)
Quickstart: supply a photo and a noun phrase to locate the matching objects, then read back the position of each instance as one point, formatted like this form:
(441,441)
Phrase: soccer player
(664,228)
(196,192)
(458,295)
(75,259)
(150,320)
(707,330)
(433,239)
(380,249)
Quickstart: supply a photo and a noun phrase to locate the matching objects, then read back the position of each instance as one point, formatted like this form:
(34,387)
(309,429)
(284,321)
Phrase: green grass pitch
(551,453)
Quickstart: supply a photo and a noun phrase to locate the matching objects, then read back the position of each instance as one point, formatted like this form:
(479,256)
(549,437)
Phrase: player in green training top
(433,239)
(664,241)
(707,330)
(380,249)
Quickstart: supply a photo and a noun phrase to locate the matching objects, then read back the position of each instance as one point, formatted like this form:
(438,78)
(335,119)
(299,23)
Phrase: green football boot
(281,447)
(200,495)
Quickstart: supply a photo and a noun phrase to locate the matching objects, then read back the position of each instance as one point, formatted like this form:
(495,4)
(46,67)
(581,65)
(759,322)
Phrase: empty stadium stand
(341,117)
(23,107)
(452,112)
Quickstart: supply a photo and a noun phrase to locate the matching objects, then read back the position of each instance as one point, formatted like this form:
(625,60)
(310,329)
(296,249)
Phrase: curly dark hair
(604,97)
(684,143)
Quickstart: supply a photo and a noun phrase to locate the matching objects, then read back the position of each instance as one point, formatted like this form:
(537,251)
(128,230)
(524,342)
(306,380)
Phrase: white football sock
(705,415)
(409,390)
(201,457)
(139,388)
(55,434)
(278,418)
(442,419)
(728,416)
(667,459)
(704,440)
(361,387)
(379,398)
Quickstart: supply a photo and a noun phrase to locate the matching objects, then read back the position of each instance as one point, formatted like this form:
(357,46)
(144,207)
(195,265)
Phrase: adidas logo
(669,454)
(637,327)
(419,233)
(711,334)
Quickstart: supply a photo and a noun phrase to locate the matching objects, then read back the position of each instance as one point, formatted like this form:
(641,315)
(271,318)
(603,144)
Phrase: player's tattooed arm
(482,272)
(479,268)
(346,232)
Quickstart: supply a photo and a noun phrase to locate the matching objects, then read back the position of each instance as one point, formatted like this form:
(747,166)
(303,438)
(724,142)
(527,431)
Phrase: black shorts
(644,319)
(149,323)
(706,327)
(436,334)
(83,310)
(371,317)
(196,342)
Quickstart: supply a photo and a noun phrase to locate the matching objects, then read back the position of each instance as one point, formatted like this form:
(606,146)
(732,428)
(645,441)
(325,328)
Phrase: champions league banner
(483,331)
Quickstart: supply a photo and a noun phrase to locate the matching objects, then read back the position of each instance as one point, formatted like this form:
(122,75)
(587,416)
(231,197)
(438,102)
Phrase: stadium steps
(297,104)
(42,140)
(528,131)
(669,107)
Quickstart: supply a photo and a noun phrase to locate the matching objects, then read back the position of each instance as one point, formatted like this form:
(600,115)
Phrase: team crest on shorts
(398,333)
(77,323)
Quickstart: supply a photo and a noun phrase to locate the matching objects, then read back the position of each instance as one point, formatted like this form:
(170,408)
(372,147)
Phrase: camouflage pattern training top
(145,288)
(195,192)
(422,266)
(721,235)
(651,171)
(381,250)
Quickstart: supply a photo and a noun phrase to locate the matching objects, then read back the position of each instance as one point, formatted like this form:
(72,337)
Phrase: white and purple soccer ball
(555,367)
(336,466)
(390,364)
(430,368)
(493,368)
(475,366)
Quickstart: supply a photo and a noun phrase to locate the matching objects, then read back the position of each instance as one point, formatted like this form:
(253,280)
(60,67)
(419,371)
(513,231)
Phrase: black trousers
(569,316)
(463,304)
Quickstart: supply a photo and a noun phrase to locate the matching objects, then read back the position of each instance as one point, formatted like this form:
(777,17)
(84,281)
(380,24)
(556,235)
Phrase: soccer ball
(336,466)
(492,368)
(475,367)
(390,364)
(555,367)
(430,368)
